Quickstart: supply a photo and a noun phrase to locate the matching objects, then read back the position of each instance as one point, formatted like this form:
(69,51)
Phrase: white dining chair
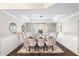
(25,40)
(32,43)
(51,41)
(41,43)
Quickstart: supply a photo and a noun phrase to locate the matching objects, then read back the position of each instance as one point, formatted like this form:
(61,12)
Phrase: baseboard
(13,49)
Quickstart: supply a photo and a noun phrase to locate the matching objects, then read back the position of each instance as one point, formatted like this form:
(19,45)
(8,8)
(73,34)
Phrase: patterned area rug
(56,50)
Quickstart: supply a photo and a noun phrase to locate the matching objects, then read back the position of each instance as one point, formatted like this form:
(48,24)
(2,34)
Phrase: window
(42,28)
(12,28)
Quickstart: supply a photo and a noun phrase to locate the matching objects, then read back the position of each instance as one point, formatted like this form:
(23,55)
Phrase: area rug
(56,50)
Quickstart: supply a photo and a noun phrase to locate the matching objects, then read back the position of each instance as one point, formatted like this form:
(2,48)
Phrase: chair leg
(47,48)
(44,48)
(35,48)
(38,48)
(29,48)
(52,48)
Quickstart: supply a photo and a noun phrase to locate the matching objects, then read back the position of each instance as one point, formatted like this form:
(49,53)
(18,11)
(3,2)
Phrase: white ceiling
(54,13)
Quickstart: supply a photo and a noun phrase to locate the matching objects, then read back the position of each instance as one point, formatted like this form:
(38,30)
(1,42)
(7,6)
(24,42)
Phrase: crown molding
(68,17)
(9,14)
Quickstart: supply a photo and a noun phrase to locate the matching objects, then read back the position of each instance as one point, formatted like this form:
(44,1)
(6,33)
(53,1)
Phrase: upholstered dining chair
(51,41)
(25,40)
(32,43)
(41,43)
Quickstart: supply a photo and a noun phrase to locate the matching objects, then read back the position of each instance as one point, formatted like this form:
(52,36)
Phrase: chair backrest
(50,41)
(41,42)
(28,34)
(41,37)
(32,42)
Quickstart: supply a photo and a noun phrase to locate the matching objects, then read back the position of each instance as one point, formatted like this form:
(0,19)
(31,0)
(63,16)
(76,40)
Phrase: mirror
(23,28)
(12,28)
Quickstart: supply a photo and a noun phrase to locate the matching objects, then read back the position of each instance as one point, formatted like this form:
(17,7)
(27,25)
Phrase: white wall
(69,35)
(51,27)
(8,41)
